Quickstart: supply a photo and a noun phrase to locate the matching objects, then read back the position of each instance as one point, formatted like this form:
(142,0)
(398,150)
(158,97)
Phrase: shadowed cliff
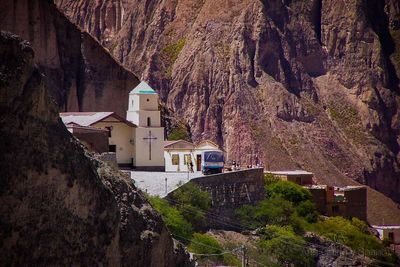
(58,205)
(80,74)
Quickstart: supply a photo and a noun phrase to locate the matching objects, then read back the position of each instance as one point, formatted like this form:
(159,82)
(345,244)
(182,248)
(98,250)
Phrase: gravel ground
(154,182)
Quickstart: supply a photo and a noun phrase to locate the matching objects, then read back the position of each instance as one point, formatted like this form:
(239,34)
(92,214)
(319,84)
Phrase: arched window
(148,122)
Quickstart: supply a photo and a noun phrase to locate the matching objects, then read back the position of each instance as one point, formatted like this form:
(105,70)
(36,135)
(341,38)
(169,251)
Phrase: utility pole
(166,185)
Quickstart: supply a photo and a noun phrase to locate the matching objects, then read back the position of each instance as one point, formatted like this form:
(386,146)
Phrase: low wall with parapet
(229,191)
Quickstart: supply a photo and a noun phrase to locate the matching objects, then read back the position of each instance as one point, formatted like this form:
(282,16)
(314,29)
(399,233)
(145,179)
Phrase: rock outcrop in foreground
(301,84)
(58,206)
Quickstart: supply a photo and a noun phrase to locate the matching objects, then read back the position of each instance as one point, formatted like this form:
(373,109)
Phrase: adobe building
(94,139)
(390,232)
(119,132)
(349,201)
(298,176)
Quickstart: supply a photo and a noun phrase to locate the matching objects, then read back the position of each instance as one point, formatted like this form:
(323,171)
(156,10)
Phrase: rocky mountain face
(80,73)
(59,206)
(294,84)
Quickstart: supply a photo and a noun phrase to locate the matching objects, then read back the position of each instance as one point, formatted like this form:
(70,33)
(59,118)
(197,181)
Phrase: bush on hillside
(193,204)
(179,133)
(286,246)
(205,244)
(180,228)
(269,178)
(288,190)
(286,203)
(269,211)
(307,210)
(354,234)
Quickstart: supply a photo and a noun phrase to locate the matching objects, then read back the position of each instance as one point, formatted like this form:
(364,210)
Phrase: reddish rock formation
(302,84)
(58,206)
(81,74)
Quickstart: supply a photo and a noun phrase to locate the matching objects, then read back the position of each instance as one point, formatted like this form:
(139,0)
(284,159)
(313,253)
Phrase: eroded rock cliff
(58,206)
(81,74)
(294,84)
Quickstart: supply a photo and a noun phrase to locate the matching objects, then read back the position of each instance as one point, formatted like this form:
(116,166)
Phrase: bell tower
(143,106)
(149,135)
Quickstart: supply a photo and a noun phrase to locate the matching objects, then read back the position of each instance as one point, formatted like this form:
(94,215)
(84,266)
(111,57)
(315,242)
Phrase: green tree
(286,246)
(287,190)
(269,211)
(193,203)
(354,234)
(176,223)
(179,133)
(308,211)
(269,179)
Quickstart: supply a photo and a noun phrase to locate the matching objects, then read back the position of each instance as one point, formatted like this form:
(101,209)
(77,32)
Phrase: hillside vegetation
(285,229)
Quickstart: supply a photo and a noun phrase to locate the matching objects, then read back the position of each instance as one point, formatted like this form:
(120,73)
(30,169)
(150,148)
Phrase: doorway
(198,163)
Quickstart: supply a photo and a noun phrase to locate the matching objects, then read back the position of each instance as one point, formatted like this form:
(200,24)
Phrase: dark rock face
(301,84)
(80,73)
(328,253)
(58,206)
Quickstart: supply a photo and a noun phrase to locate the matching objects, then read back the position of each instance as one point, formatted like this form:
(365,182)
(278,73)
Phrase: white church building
(138,140)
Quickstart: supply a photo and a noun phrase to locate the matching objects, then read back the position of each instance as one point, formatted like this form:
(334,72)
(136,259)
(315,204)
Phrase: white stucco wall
(142,147)
(120,136)
(182,167)
(148,101)
(139,118)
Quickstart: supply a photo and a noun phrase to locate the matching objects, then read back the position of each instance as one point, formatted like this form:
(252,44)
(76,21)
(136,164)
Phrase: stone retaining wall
(229,191)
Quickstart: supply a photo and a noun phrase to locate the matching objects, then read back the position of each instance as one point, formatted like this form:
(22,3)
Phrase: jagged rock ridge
(80,73)
(301,84)
(58,206)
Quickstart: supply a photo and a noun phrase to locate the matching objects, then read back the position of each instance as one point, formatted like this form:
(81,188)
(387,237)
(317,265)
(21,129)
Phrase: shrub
(269,179)
(176,223)
(286,204)
(205,244)
(269,211)
(308,211)
(193,203)
(353,233)
(287,190)
(287,247)
(178,133)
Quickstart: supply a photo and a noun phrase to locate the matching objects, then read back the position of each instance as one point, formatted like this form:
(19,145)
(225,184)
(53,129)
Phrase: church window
(148,121)
(132,103)
(175,159)
(187,159)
